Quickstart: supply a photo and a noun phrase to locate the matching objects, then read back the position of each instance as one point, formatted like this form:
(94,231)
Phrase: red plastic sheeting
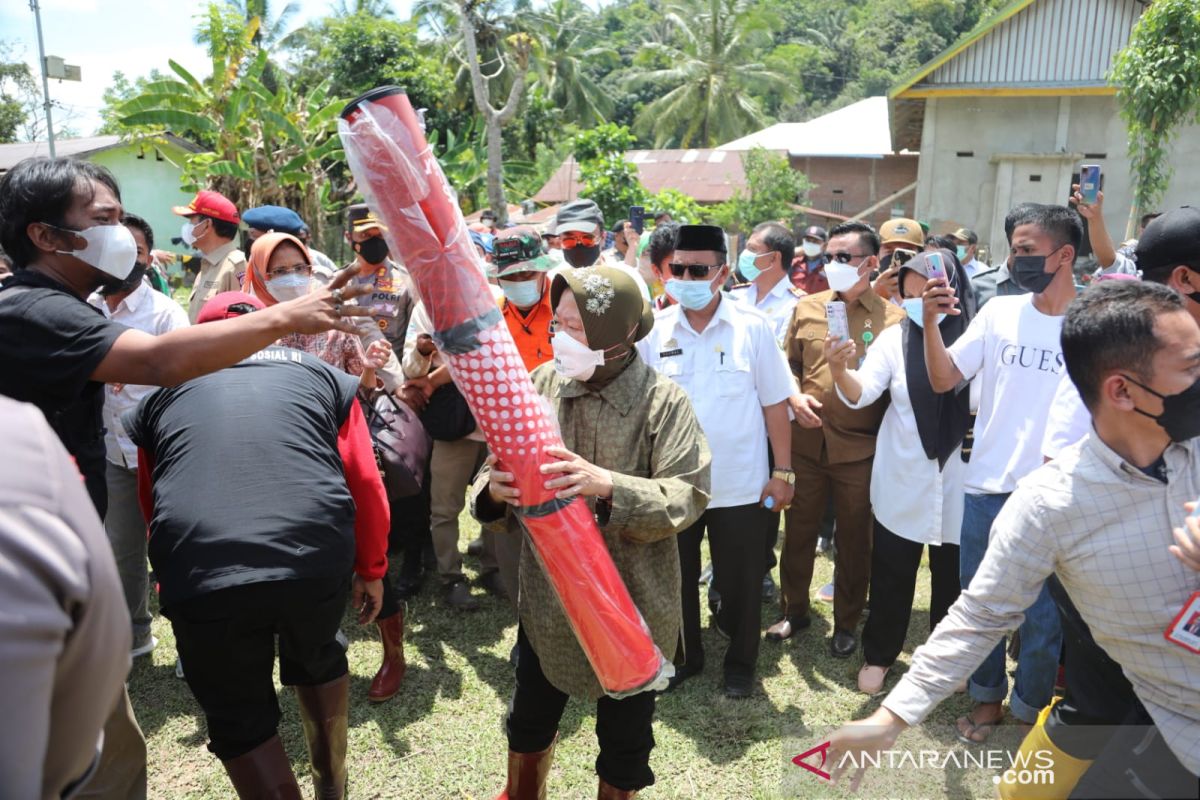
(402,182)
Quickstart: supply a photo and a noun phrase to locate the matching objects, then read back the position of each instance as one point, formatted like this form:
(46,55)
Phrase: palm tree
(379,9)
(270,30)
(566,31)
(713,73)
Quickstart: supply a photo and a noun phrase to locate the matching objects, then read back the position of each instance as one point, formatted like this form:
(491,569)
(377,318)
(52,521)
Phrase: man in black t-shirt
(282,436)
(60,223)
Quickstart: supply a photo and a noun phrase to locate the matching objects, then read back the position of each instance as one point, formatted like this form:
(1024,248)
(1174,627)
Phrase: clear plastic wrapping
(404,185)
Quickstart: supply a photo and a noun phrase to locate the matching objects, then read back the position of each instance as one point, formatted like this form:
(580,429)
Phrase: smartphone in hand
(1089,183)
(637,218)
(838,322)
(937,266)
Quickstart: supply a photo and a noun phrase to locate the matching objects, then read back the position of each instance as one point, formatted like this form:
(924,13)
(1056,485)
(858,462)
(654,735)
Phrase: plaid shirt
(1104,527)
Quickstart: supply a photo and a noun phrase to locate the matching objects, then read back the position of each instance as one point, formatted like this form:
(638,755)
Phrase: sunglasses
(901,257)
(570,240)
(698,271)
(842,257)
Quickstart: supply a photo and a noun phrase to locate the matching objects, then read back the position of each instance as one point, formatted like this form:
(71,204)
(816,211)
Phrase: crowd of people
(873,393)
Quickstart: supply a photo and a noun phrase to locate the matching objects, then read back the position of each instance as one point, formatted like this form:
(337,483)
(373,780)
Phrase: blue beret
(274,218)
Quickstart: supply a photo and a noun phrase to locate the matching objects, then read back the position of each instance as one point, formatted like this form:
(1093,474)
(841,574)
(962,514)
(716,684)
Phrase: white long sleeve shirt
(909,494)
(1103,526)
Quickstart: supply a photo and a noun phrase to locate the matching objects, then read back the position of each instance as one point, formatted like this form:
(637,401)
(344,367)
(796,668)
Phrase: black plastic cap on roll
(374,94)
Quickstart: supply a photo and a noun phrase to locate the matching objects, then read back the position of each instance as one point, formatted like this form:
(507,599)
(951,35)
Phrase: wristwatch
(784,474)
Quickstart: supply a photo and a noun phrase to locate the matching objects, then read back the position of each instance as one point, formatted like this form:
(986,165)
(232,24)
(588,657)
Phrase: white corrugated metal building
(1009,113)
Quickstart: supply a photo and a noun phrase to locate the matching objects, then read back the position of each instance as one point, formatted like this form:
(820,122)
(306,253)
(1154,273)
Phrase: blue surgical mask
(521,294)
(746,264)
(962,253)
(915,307)
(692,295)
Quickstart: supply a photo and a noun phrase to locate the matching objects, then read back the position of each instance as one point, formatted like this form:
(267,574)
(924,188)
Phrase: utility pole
(37,15)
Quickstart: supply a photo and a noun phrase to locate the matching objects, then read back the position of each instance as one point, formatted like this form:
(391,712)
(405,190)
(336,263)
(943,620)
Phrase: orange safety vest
(531,332)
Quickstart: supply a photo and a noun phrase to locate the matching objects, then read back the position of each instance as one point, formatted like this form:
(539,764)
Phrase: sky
(105,36)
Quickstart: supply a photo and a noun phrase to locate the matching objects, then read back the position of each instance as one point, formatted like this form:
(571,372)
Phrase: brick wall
(849,185)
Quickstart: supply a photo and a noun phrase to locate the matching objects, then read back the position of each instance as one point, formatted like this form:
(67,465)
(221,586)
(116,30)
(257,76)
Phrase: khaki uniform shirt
(846,435)
(222,270)
(392,299)
(64,630)
(640,426)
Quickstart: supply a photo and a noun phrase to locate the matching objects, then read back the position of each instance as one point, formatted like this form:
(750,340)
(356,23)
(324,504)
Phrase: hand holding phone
(637,218)
(1089,183)
(937,266)
(838,322)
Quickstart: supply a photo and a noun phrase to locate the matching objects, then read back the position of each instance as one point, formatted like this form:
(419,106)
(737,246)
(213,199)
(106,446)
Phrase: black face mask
(1180,416)
(373,250)
(1029,272)
(581,256)
(113,285)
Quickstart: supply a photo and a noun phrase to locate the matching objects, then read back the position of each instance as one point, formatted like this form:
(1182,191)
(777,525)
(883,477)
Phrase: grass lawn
(442,736)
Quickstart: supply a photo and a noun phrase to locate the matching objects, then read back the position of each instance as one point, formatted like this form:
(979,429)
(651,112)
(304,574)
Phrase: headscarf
(942,419)
(615,315)
(255,282)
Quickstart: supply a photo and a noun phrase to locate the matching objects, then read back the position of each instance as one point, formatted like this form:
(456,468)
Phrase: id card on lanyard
(1184,630)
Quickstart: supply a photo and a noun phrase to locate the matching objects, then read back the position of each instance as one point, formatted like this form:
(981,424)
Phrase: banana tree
(266,146)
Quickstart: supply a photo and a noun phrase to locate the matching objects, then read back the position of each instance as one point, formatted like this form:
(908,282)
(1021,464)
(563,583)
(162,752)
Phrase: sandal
(976,732)
(871,679)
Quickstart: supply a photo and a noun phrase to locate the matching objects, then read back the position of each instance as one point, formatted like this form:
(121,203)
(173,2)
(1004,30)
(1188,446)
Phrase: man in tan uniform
(64,633)
(211,227)
(833,446)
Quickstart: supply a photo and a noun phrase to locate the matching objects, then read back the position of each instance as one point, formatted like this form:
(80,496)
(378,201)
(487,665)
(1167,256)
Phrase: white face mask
(842,277)
(811,249)
(289,287)
(188,233)
(573,359)
(110,249)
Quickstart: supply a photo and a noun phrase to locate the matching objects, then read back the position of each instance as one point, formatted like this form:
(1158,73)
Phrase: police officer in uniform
(725,356)
(391,299)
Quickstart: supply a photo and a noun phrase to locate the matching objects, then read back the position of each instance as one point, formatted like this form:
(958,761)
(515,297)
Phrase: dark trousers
(1098,695)
(623,727)
(409,533)
(849,485)
(895,562)
(1136,763)
(227,640)
(736,543)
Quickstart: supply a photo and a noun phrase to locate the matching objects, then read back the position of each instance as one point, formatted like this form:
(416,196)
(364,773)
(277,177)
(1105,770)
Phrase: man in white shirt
(763,264)
(138,306)
(1099,518)
(967,243)
(725,357)
(1013,345)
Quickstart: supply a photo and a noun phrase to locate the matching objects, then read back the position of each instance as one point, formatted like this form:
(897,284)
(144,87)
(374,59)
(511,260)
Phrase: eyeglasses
(295,269)
(842,257)
(698,271)
(574,239)
(900,257)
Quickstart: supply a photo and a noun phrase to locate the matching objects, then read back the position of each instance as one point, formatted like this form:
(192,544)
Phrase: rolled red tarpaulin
(403,184)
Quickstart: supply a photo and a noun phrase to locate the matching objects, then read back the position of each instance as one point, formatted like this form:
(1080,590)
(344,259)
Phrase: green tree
(683,208)
(271,28)
(607,178)
(1157,75)
(377,9)
(773,189)
(265,146)
(568,47)
(358,52)
(17,92)
(715,75)
(115,95)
